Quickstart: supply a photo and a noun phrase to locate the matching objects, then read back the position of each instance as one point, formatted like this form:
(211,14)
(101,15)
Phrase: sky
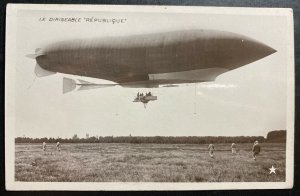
(248,101)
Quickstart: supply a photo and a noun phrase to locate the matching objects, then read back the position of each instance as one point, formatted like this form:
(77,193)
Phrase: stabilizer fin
(32,56)
(38,52)
(170,85)
(84,82)
(94,86)
(68,85)
(40,72)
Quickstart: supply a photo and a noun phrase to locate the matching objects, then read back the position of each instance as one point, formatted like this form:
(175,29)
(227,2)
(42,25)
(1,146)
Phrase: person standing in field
(211,149)
(58,146)
(44,146)
(233,148)
(255,149)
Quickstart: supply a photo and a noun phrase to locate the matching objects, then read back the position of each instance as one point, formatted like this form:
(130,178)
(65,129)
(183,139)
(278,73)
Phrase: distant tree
(277,136)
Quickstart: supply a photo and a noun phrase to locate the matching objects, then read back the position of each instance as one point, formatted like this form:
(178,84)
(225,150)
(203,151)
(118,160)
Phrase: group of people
(139,95)
(255,149)
(211,148)
(57,146)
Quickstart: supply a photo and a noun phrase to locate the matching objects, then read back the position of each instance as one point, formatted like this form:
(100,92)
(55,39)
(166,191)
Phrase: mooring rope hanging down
(117,107)
(31,83)
(195,100)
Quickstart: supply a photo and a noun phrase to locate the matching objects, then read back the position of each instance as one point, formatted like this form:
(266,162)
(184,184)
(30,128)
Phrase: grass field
(147,163)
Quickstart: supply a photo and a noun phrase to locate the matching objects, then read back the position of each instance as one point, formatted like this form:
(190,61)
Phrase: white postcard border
(11,29)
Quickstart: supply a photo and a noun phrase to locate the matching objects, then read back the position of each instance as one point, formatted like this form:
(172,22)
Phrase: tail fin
(40,72)
(84,82)
(68,85)
(38,52)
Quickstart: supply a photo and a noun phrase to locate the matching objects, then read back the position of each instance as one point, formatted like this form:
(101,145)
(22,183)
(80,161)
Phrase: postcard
(110,97)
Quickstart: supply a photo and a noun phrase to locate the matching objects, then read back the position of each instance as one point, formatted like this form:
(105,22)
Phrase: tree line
(273,136)
(139,140)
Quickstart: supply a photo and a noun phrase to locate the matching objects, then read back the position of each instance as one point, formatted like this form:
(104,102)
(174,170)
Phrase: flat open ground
(102,162)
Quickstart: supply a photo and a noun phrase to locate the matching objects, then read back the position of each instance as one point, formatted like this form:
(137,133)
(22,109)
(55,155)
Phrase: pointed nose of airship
(256,50)
(247,50)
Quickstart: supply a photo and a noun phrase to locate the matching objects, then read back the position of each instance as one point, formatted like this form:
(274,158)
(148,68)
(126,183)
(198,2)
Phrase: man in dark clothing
(255,149)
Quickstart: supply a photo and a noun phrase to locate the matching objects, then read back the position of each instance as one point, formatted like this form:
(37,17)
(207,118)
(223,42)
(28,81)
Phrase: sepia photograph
(148,98)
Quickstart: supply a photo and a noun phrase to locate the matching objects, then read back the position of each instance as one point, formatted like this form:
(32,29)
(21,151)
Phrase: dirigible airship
(149,60)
